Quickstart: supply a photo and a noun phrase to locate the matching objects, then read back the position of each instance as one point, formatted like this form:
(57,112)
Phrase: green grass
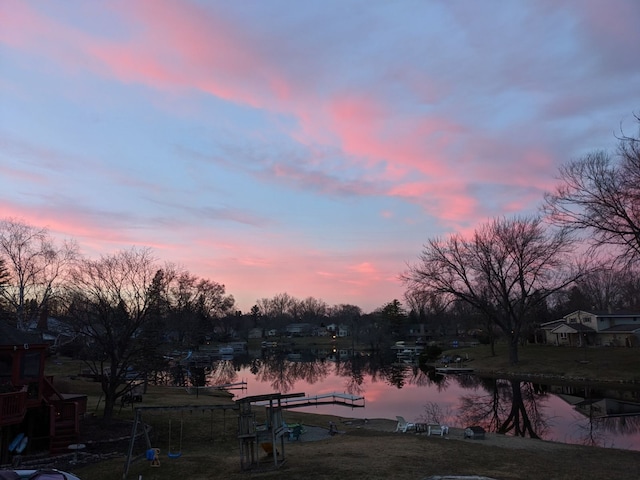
(601,364)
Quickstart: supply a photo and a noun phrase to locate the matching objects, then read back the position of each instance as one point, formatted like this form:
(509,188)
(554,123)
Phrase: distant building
(299,329)
(582,328)
(255,333)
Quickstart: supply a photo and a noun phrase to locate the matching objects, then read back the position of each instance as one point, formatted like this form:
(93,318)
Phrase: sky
(308,148)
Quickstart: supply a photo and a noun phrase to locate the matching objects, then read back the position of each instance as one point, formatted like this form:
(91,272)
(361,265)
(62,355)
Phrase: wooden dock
(346,399)
(453,370)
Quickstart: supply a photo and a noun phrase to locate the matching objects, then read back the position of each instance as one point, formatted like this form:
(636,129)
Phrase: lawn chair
(403,425)
(295,432)
(436,429)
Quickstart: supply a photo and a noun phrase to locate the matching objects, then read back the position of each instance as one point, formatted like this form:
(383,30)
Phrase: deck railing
(13,407)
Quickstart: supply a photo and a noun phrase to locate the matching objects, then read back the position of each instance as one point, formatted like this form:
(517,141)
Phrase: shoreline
(511,375)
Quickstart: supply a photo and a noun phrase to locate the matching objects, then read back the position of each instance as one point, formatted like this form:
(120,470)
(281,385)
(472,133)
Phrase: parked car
(47,474)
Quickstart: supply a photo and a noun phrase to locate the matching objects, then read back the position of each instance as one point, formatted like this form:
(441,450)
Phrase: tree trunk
(513,350)
(109,399)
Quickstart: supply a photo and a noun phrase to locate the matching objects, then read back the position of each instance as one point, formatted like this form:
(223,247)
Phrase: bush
(432,352)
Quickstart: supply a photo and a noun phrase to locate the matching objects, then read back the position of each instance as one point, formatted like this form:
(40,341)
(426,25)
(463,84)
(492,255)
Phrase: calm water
(558,413)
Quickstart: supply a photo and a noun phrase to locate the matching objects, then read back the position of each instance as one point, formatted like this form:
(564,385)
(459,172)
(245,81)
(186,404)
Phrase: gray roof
(609,314)
(577,327)
(12,336)
(621,329)
(552,324)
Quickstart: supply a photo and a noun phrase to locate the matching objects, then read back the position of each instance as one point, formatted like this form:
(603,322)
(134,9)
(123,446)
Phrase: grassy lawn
(570,363)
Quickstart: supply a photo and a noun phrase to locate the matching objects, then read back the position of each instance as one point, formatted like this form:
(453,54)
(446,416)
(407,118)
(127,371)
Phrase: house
(582,328)
(30,406)
(343,330)
(255,333)
(299,329)
(338,330)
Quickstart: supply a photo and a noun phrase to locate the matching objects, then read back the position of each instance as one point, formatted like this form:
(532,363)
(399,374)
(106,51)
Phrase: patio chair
(436,429)
(403,425)
(295,432)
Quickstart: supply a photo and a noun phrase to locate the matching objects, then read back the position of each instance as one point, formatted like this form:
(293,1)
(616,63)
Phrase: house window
(563,335)
(6,362)
(31,365)
(586,320)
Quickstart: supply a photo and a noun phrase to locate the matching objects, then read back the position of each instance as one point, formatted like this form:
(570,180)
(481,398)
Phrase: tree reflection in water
(222,372)
(505,406)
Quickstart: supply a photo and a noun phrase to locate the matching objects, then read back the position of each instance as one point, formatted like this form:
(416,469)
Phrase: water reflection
(592,416)
(506,406)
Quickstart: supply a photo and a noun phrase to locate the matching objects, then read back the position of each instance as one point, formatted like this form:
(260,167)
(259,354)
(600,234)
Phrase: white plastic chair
(403,425)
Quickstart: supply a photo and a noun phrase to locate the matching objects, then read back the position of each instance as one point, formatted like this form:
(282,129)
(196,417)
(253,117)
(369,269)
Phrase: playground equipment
(140,428)
(170,453)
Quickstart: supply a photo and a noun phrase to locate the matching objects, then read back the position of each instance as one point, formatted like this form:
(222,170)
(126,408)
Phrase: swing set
(177,454)
(153,453)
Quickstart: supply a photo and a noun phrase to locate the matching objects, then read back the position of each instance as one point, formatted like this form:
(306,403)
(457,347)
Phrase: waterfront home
(584,328)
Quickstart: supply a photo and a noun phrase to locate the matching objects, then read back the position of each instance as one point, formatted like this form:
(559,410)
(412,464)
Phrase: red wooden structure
(30,406)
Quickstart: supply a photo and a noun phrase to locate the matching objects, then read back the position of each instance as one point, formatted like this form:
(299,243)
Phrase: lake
(602,416)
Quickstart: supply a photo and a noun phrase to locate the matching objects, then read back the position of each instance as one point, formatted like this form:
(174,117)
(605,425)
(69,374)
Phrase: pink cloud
(178,45)
(365,267)
(369,130)
(20,174)
(447,199)
(19,21)
(175,45)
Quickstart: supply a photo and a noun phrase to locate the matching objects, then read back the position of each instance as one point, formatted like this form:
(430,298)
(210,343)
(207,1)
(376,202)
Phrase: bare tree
(4,282)
(601,195)
(36,267)
(504,271)
(109,304)
(603,287)
(277,311)
(196,305)
(312,309)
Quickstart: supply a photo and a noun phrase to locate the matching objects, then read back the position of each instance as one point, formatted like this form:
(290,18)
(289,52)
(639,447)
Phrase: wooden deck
(13,407)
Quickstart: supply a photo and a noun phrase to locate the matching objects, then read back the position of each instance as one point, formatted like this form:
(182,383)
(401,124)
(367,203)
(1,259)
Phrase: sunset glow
(310,148)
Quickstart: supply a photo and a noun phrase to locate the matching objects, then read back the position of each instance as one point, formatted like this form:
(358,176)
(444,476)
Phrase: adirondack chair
(403,425)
